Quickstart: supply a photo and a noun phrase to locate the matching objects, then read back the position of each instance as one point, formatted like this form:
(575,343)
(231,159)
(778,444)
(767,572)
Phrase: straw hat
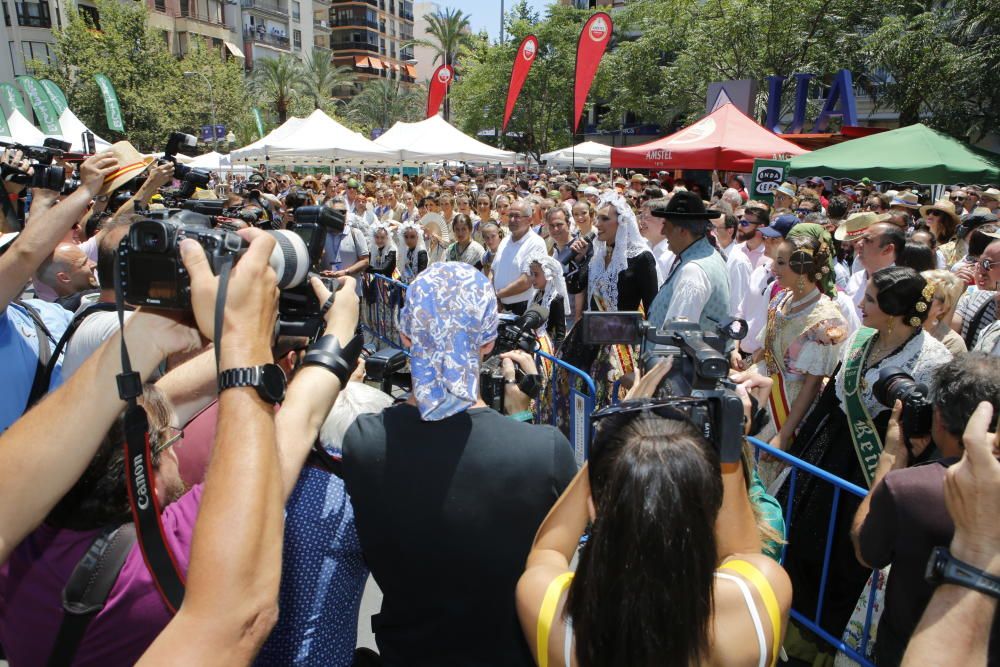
(855,226)
(944,206)
(131,163)
(786,189)
(990,193)
(906,200)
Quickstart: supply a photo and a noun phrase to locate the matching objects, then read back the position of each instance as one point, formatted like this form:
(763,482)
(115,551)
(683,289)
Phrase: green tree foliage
(448,34)
(540,121)
(277,83)
(382,102)
(321,78)
(155,96)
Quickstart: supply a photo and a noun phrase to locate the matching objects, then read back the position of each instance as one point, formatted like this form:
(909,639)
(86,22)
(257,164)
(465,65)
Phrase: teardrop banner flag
(523,61)
(112,110)
(440,81)
(56,95)
(260,122)
(45,113)
(12,99)
(590,47)
(4,128)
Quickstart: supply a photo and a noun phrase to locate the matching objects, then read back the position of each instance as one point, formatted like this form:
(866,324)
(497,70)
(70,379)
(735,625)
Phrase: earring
(801,284)
(888,329)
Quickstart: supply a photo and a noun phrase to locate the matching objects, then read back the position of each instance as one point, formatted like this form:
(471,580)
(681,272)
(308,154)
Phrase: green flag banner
(112,110)
(56,95)
(260,122)
(4,129)
(765,177)
(12,99)
(45,113)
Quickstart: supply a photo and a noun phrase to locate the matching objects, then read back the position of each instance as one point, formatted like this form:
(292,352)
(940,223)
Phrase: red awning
(726,139)
(411,71)
(376,63)
(361,61)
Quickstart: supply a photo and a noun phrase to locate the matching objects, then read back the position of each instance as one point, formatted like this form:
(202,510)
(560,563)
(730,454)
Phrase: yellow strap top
(546,615)
(763,586)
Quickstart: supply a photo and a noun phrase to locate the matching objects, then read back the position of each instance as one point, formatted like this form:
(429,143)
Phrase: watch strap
(341,361)
(232,378)
(945,568)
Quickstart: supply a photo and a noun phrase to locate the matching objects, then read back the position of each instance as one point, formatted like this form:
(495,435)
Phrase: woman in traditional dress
(805,329)
(621,277)
(843,435)
(381,296)
(436,237)
(464,249)
(413,259)
(492,235)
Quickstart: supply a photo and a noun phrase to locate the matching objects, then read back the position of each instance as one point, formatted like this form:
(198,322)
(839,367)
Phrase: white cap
(591,190)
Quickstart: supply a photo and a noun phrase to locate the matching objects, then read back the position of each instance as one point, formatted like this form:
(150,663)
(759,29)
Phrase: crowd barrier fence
(381,323)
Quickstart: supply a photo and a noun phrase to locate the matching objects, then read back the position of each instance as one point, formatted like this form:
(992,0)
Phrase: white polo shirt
(507,263)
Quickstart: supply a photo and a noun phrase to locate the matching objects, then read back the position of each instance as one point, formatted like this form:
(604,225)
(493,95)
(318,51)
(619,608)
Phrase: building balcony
(373,3)
(266,7)
(267,39)
(321,43)
(405,15)
(354,23)
(353,46)
(321,25)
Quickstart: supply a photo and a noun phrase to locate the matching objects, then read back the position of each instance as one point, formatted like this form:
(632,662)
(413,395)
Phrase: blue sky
(486,13)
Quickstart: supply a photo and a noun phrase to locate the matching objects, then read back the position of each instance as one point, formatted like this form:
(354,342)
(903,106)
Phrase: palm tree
(322,78)
(277,81)
(450,37)
(382,102)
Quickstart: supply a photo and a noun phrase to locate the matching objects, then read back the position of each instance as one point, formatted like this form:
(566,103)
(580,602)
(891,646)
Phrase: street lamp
(211,97)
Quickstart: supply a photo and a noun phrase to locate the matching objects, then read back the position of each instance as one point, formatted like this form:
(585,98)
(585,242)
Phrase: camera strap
(140,478)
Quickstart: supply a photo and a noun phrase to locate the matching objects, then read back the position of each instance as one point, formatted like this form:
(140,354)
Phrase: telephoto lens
(290,258)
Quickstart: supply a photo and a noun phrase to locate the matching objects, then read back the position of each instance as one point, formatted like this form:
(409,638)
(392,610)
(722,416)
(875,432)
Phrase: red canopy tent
(726,139)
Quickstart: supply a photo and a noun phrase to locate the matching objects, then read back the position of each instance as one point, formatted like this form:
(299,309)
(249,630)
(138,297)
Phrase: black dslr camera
(700,369)
(43,174)
(151,270)
(191,177)
(513,333)
(895,384)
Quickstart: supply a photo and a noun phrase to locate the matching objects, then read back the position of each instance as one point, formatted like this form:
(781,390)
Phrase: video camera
(152,273)
(513,333)
(697,383)
(895,384)
(43,173)
(191,178)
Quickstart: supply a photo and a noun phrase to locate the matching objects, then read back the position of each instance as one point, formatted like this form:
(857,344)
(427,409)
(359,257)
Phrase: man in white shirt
(651,228)
(513,287)
(725,231)
(749,251)
(877,248)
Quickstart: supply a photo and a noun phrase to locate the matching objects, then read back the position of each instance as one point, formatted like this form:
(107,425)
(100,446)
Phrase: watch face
(272,381)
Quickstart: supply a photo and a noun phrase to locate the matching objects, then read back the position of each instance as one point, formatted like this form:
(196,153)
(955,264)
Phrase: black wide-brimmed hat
(684,206)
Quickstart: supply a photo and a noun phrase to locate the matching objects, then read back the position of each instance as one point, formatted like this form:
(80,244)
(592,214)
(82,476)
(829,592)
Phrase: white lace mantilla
(920,357)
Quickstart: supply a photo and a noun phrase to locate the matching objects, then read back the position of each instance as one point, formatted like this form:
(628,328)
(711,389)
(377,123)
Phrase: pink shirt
(31,585)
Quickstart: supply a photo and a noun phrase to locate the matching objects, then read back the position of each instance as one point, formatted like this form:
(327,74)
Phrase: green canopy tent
(912,154)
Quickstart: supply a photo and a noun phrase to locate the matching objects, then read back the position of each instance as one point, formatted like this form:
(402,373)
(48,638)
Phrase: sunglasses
(175,435)
(746,222)
(958,198)
(986,264)
(803,211)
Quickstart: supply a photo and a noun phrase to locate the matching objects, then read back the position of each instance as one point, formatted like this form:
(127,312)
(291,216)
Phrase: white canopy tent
(319,139)
(589,153)
(436,140)
(258,150)
(218,163)
(22,131)
(73,129)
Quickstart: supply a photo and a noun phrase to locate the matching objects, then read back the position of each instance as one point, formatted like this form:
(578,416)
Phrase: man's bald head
(67,270)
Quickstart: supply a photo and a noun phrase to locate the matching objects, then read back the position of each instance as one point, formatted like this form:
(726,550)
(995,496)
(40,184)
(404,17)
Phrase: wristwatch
(268,379)
(943,568)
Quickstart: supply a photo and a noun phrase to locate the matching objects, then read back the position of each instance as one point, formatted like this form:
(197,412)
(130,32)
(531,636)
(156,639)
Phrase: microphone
(532,318)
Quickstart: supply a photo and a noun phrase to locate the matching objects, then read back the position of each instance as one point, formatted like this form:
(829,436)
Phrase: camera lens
(893,384)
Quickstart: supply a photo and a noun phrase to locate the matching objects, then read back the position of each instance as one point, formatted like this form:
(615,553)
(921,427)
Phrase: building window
(6,14)
(33,14)
(39,51)
(90,13)
(296,10)
(297,39)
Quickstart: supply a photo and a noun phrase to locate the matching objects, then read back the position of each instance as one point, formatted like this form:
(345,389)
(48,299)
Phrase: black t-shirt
(446,512)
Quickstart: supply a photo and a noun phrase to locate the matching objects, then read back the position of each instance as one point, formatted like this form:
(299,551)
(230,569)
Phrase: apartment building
(27,32)
(368,35)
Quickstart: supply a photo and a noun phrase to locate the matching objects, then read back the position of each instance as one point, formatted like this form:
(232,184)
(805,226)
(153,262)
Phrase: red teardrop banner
(440,81)
(590,48)
(525,57)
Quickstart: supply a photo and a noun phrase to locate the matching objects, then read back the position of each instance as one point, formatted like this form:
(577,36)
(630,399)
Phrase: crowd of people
(489,544)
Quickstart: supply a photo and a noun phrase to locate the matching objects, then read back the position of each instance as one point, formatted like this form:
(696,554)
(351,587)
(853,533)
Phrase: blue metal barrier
(380,317)
(840,485)
(580,405)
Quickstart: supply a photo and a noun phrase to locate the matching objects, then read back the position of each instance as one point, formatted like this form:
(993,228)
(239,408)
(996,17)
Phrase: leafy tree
(382,102)
(540,121)
(277,82)
(229,91)
(136,60)
(450,37)
(321,78)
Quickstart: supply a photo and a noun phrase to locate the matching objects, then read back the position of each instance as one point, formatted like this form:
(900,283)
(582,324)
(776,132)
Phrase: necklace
(868,365)
(794,307)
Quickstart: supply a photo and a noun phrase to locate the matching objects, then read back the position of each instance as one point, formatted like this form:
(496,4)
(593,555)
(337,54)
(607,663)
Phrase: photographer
(904,517)
(447,492)
(673,559)
(29,330)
